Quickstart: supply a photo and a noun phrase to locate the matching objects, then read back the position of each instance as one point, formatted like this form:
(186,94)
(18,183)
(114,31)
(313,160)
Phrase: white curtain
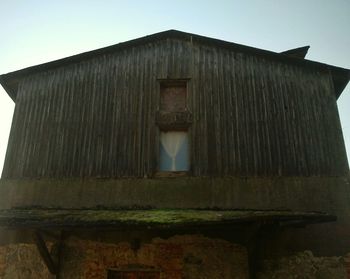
(172,141)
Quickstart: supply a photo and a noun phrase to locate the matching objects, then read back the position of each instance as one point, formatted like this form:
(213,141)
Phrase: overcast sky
(37,31)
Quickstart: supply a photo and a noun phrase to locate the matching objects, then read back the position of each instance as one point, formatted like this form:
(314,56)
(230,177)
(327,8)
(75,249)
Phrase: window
(173,119)
(173,151)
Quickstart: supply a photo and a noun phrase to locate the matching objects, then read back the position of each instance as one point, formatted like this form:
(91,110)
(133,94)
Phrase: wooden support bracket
(253,238)
(51,264)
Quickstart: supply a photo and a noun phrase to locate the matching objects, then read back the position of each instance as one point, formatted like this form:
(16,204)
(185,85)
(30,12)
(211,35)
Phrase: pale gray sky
(38,31)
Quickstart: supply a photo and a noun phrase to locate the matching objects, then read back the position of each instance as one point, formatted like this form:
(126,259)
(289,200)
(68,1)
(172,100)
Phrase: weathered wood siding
(252,116)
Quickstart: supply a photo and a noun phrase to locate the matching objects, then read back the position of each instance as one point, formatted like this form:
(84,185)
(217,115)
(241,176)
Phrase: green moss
(154,217)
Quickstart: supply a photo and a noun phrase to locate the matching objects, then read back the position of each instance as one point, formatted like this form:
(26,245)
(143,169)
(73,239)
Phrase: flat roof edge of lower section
(154,218)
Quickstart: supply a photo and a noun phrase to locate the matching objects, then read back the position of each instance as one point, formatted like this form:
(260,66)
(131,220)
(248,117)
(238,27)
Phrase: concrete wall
(329,194)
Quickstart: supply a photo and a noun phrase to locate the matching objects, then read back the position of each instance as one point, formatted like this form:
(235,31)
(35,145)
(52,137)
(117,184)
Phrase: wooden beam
(44,253)
(256,237)
(252,248)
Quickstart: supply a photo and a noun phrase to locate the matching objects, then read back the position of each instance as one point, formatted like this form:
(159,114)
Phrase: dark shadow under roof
(340,76)
(152,218)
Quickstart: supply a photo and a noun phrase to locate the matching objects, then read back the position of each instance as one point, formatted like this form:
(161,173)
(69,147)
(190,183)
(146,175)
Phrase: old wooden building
(173,156)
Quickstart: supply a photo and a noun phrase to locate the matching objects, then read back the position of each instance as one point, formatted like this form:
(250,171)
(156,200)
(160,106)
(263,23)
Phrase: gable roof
(340,76)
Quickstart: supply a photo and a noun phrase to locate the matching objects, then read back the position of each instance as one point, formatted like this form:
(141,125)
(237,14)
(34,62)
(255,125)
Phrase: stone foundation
(22,261)
(181,256)
(304,265)
(187,256)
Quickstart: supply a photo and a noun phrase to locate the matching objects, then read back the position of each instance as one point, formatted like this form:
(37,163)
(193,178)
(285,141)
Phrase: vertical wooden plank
(251,115)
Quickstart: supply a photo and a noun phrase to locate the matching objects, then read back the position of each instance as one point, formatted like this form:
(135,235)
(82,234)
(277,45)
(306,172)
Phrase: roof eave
(9,81)
(340,81)
(12,92)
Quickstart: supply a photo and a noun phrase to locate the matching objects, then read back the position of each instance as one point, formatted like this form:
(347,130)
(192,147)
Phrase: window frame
(184,124)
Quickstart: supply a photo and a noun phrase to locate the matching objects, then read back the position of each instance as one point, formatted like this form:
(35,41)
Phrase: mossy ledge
(41,218)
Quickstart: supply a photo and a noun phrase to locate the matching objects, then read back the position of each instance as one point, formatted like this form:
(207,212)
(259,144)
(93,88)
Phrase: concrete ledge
(153,218)
(326,194)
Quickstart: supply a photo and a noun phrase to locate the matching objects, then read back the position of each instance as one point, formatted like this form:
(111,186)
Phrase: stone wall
(187,256)
(181,256)
(22,261)
(304,265)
